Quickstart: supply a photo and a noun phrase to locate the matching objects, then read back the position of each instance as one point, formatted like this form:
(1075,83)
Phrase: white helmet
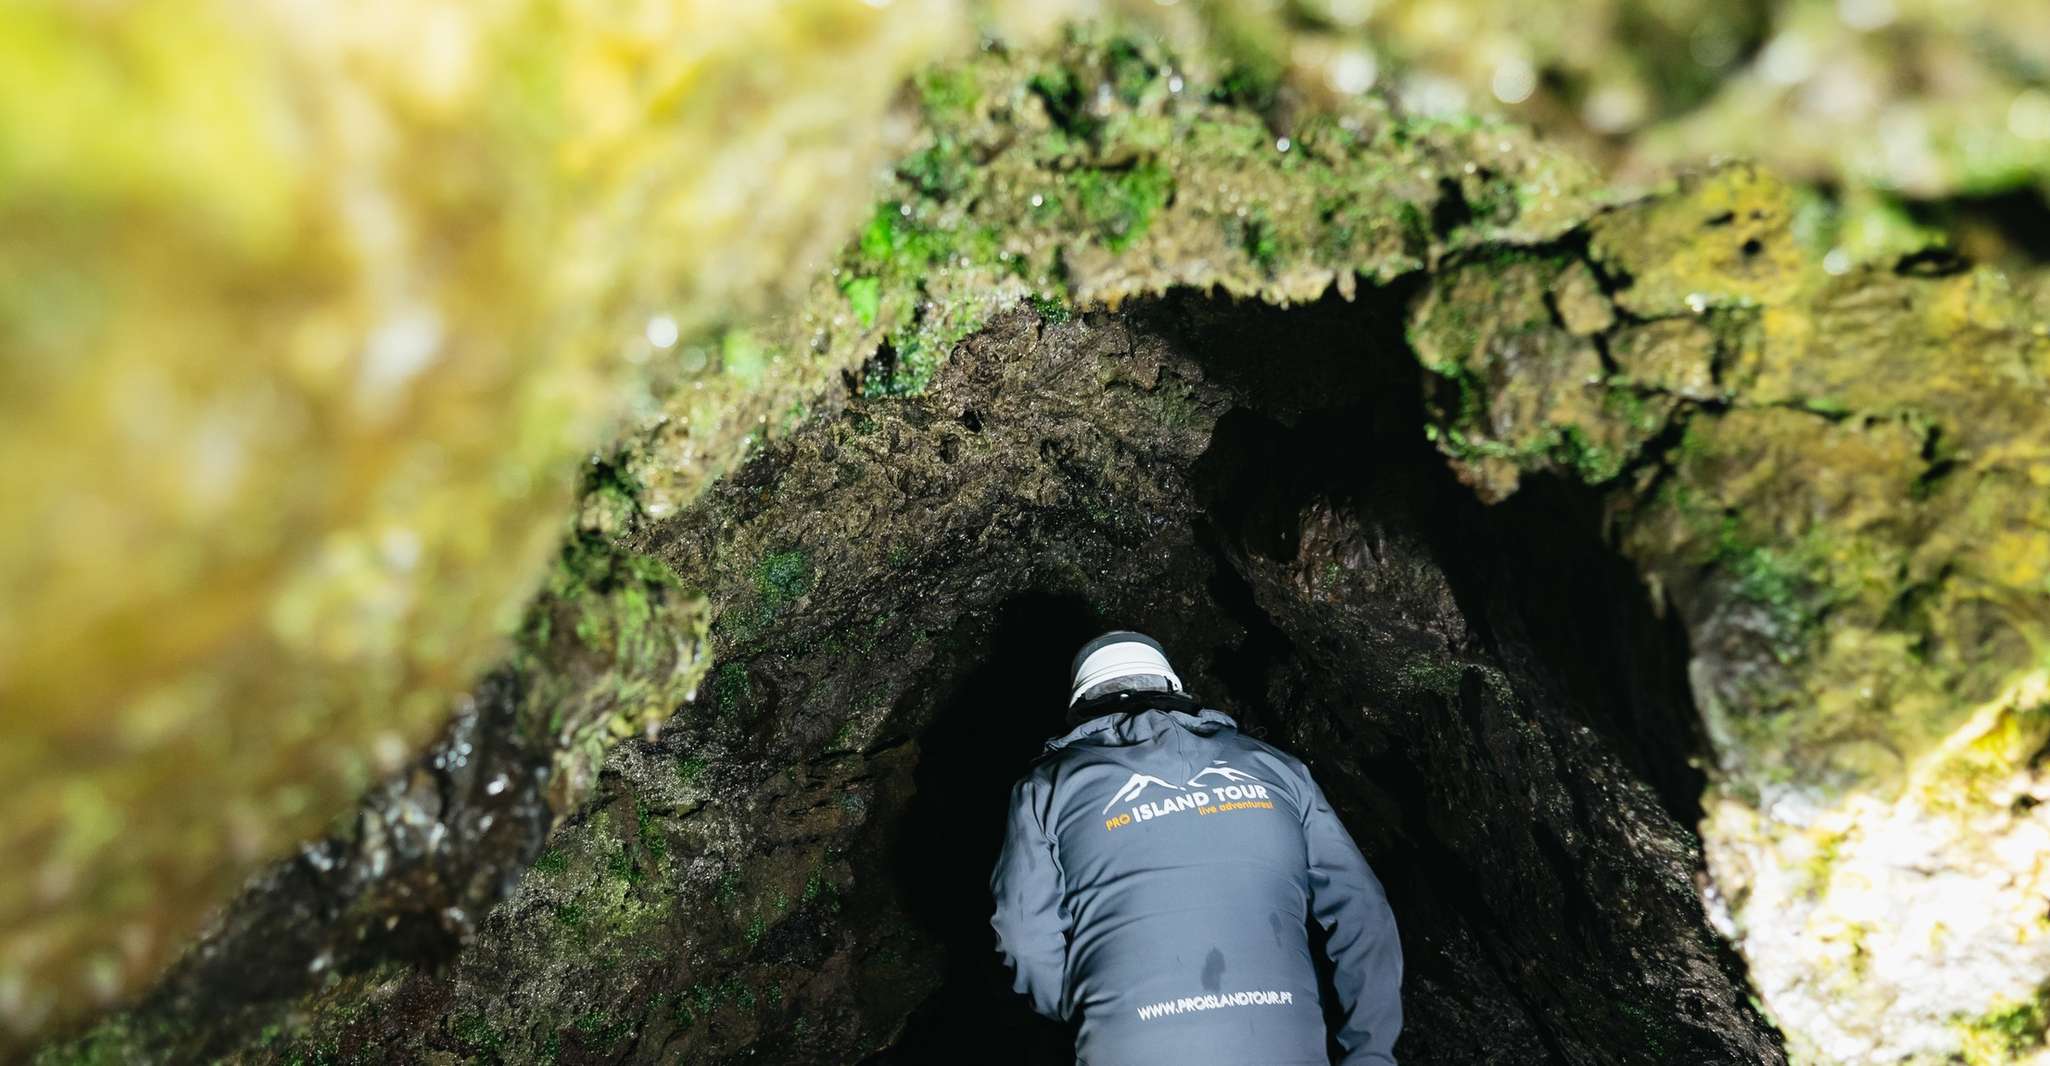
(1116,654)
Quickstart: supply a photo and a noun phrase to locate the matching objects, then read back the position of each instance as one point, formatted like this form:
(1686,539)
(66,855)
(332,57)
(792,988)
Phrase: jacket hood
(1120,728)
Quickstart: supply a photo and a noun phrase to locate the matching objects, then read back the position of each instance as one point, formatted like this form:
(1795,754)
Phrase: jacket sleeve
(1347,900)
(1031,920)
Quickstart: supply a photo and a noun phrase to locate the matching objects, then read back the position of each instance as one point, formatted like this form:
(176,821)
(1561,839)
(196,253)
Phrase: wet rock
(796,867)
(1828,497)
(1913,126)
(1029,404)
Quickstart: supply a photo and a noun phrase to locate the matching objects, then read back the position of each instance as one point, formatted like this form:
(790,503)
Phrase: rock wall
(1766,440)
(797,867)
(1824,477)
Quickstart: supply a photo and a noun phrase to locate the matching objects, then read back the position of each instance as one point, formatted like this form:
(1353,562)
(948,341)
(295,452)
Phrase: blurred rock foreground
(308,313)
(1767,551)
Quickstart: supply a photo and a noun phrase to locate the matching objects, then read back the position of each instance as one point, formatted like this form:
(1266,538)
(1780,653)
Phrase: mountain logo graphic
(1230,775)
(1135,785)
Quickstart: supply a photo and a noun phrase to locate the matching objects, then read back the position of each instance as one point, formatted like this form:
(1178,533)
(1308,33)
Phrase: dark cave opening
(989,727)
(2008,229)
(1528,592)
(798,867)
(1535,576)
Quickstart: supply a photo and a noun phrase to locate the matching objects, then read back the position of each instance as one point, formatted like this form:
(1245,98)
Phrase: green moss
(878,241)
(115,1042)
(1260,242)
(1253,58)
(1626,404)
(1567,446)
(945,93)
(1592,462)
(1170,406)
(552,862)
(1052,308)
(629,612)
(794,416)
(1414,226)
(985,200)
(731,689)
(1494,203)
(1438,676)
(895,242)
(864,298)
(1060,92)
(902,251)
(909,371)
(611,595)
(2007,1033)
(744,356)
(1120,204)
(1131,71)
(620,866)
(843,737)
(1469,406)
(782,577)
(475,1031)
(779,579)
(653,841)
(1251,85)
(938,171)
(324,1053)
(1775,578)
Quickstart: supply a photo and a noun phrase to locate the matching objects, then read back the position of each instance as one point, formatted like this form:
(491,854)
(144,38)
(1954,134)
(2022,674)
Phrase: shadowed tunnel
(987,731)
(1357,598)
(797,869)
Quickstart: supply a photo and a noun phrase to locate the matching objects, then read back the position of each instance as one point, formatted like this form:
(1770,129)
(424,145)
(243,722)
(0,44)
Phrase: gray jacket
(1155,880)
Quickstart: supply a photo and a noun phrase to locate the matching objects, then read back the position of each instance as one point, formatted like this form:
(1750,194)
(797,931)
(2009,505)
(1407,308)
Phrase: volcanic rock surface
(796,869)
(1548,524)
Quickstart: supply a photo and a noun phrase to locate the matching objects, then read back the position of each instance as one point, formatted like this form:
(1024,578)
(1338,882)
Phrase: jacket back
(1156,878)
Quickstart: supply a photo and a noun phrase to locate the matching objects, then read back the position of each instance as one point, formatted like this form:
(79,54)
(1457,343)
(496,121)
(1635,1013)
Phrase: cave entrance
(797,869)
(988,729)
(1485,693)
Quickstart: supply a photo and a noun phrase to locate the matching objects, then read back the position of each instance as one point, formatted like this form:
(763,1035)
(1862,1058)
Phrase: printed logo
(1136,785)
(1234,790)
(1230,776)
